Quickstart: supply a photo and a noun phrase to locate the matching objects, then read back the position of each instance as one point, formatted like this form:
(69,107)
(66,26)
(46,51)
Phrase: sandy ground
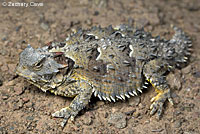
(24,109)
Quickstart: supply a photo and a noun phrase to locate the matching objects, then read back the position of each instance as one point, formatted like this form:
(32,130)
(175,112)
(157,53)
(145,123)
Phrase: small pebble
(96,13)
(87,121)
(25,99)
(118,120)
(177,124)
(4,39)
(18,28)
(29,118)
(196,74)
(187,69)
(44,26)
(5,97)
(134,101)
(18,89)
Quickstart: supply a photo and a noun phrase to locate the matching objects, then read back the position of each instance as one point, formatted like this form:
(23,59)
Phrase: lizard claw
(157,107)
(65,113)
(158,102)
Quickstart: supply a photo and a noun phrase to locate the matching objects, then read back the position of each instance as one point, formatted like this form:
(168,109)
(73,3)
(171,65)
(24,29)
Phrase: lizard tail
(180,48)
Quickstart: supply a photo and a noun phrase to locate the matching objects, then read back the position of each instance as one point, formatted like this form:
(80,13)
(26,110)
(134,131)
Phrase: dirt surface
(25,109)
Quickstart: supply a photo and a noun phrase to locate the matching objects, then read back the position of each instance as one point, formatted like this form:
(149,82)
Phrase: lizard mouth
(45,84)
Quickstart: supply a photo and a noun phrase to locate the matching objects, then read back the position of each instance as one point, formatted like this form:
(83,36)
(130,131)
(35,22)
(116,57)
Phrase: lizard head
(40,68)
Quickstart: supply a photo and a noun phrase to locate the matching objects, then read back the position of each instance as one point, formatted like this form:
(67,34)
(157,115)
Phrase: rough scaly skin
(110,63)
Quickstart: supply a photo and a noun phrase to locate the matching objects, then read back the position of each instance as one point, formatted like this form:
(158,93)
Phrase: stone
(118,120)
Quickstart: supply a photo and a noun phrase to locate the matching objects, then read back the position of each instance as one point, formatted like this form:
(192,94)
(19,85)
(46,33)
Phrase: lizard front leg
(78,103)
(154,72)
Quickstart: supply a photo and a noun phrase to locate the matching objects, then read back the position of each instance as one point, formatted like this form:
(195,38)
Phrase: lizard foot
(65,113)
(158,102)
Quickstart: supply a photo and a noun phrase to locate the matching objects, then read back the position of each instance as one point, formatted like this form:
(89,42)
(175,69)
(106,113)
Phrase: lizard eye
(38,65)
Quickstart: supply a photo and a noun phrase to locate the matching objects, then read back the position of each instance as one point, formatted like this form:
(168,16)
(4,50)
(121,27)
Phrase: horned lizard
(111,63)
